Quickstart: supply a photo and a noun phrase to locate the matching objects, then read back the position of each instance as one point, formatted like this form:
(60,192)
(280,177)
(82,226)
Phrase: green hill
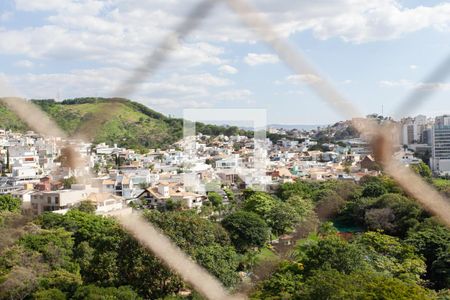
(113,120)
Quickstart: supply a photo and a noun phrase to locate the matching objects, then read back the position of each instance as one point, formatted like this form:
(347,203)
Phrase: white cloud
(395,83)
(253,59)
(292,93)
(163,93)
(356,21)
(113,37)
(408,84)
(122,33)
(233,95)
(413,67)
(227,69)
(169,104)
(114,28)
(303,79)
(6,88)
(67,7)
(24,64)
(5,16)
(204,79)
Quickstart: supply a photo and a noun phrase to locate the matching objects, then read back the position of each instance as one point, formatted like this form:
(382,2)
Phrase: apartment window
(57,200)
(49,200)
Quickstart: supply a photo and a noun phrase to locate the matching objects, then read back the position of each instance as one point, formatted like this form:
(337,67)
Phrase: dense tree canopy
(9,203)
(432,240)
(374,190)
(246,229)
(215,199)
(373,242)
(331,252)
(422,169)
(332,284)
(282,218)
(91,292)
(260,203)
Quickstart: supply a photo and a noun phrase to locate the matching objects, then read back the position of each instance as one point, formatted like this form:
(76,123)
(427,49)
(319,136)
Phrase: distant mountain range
(287,127)
(295,126)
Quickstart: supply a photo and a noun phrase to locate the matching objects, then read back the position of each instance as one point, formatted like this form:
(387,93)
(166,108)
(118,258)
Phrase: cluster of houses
(34,170)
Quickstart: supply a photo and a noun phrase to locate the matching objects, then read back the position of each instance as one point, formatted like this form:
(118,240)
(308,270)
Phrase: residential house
(59,200)
(157,197)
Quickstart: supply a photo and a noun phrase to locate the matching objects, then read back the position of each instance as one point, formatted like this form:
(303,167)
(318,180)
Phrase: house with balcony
(43,201)
(157,197)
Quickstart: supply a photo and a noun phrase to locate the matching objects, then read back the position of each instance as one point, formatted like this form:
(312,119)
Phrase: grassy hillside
(8,120)
(120,121)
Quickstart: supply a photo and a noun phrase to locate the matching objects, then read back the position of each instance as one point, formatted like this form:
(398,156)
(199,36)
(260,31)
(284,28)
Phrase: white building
(413,130)
(60,200)
(157,197)
(231,163)
(440,160)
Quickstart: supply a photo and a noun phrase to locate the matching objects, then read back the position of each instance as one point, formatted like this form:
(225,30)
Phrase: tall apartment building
(414,130)
(440,161)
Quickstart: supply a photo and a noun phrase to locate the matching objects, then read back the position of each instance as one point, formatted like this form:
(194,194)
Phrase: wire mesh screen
(381,135)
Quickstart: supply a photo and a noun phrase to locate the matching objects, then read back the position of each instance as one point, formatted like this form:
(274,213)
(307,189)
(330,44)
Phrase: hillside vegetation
(352,241)
(8,120)
(113,120)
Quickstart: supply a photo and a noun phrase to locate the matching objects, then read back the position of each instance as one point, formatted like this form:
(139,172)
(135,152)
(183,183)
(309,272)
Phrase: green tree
(108,256)
(422,169)
(62,280)
(301,188)
(391,255)
(55,245)
(432,241)
(284,283)
(173,205)
(282,218)
(91,292)
(9,203)
(334,285)
(188,229)
(230,195)
(67,182)
(303,207)
(329,204)
(387,182)
(374,190)
(87,206)
(20,270)
(327,228)
(331,252)
(442,185)
(393,213)
(215,199)
(247,230)
(440,271)
(259,203)
(353,213)
(53,294)
(221,261)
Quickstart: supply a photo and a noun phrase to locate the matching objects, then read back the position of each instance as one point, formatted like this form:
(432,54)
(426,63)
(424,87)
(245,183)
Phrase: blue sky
(374,52)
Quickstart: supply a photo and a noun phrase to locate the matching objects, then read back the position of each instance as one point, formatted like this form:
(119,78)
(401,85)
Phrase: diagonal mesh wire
(379,134)
(424,90)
